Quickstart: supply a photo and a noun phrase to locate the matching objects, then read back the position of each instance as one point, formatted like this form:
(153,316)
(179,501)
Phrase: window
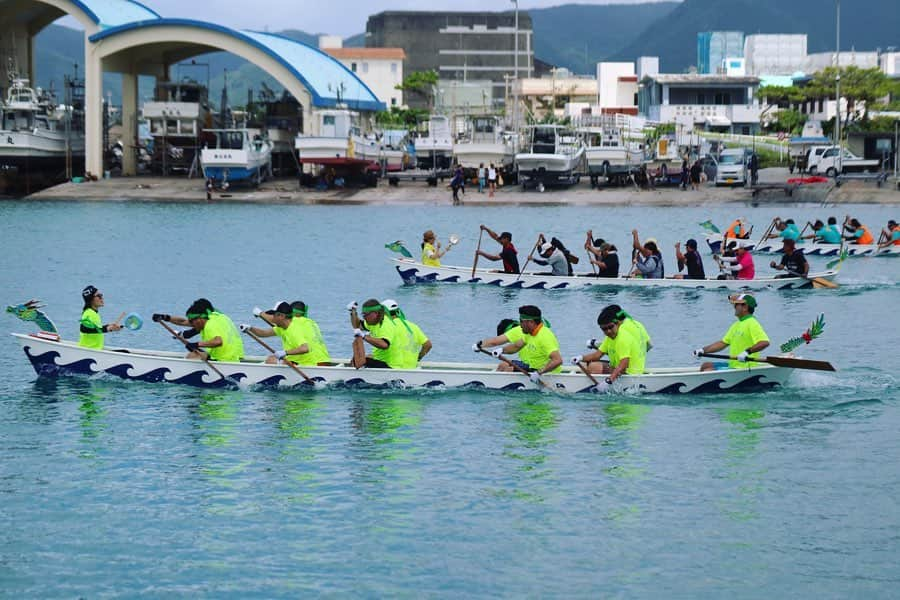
(393,102)
(353,67)
(701,98)
(328,120)
(393,67)
(365,67)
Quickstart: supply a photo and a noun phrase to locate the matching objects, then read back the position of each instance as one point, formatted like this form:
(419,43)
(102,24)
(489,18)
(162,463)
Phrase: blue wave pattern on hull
(218,173)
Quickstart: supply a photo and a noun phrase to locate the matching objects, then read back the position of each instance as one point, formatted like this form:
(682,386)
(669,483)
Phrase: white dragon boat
(413,272)
(52,357)
(809,248)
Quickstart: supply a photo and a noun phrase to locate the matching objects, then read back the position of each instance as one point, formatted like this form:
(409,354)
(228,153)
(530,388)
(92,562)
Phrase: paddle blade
(820,283)
(708,225)
(800,363)
(399,248)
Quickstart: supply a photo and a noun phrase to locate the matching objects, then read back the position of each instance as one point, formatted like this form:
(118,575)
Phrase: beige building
(381,69)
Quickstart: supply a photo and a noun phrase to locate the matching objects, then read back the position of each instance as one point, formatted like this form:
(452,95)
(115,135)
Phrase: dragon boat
(413,272)
(54,357)
(809,248)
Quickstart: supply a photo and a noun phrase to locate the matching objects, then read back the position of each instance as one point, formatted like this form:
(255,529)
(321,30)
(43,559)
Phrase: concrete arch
(150,47)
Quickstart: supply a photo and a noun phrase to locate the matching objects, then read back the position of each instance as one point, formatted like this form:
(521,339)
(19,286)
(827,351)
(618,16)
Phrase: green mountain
(578,36)
(865,25)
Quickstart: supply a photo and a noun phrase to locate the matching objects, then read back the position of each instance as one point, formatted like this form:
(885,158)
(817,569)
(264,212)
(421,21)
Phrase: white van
(732,169)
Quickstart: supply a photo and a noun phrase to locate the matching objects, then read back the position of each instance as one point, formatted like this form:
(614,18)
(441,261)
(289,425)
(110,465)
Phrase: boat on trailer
(52,357)
(413,272)
(809,248)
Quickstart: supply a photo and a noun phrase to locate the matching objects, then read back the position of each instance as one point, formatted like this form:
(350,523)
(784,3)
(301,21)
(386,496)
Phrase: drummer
(431,250)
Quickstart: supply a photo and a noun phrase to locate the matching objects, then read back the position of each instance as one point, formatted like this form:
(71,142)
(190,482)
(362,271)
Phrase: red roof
(632,78)
(369,53)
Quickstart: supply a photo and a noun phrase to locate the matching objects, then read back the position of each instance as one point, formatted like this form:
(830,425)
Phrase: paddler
(420,340)
(690,259)
(532,339)
(391,341)
(736,230)
(890,235)
(787,230)
(508,253)
(792,260)
(739,266)
(219,338)
(313,333)
(648,260)
(823,234)
(297,347)
(91,327)
(857,233)
(623,344)
(745,339)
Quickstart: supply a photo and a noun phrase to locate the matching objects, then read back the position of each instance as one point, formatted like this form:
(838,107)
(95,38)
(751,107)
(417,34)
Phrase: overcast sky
(338,17)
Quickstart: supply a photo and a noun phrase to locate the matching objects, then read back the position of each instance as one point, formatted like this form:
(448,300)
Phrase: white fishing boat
(235,155)
(551,155)
(609,152)
(435,149)
(36,136)
(413,272)
(338,142)
(53,358)
(809,247)
(484,143)
(177,116)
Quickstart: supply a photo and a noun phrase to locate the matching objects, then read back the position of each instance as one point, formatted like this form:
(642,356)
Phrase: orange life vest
(895,230)
(736,224)
(866,237)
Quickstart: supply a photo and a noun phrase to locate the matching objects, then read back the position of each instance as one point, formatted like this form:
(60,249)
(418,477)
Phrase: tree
(421,83)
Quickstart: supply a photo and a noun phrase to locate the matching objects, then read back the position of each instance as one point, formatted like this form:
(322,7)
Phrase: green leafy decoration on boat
(399,248)
(814,331)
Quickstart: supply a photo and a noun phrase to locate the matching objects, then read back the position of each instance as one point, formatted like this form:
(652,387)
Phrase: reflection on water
(531,422)
(740,463)
(384,426)
(622,462)
(215,413)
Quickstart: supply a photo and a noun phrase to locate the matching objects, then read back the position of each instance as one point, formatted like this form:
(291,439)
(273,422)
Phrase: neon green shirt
(219,325)
(90,319)
(637,329)
(743,334)
(514,335)
(397,355)
(318,351)
(625,345)
(418,337)
(292,337)
(538,347)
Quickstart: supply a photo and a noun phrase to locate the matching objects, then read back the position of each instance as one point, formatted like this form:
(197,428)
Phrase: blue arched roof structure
(112,13)
(326,79)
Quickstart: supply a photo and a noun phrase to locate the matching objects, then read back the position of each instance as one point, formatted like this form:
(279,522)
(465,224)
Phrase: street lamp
(516,68)
(837,84)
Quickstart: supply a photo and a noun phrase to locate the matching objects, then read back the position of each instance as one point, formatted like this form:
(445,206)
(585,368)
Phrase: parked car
(732,167)
(831,164)
(710,166)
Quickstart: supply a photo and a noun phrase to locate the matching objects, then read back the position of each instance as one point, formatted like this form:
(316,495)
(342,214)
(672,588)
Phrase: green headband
(300,313)
(622,315)
(510,326)
(524,317)
(204,315)
(371,309)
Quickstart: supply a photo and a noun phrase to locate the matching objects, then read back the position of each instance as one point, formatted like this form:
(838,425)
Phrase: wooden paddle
(477,250)
(272,350)
(817,282)
(765,235)
(588,373)
(590,254)
(187,345)
(528,260)
(513,365)
(784,361)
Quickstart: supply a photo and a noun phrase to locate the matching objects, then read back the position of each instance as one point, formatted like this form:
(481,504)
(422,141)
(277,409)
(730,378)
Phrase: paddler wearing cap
(296,346)
(552,256)
(739,266)
(532,339)
(625,343)
(219,338)
(745,339)
(391,342)
(648,261)
(508,253)
(792,260)
(690,259)
(91,328)
(421,342)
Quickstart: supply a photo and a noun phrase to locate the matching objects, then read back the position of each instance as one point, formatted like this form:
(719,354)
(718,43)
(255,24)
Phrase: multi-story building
(381,69)
(821,60)
(459,45)
(774,54)
(617,87)
(715,102)
(713,47)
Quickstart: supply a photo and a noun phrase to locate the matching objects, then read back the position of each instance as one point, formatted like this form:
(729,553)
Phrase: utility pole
(516,70)
(837,88)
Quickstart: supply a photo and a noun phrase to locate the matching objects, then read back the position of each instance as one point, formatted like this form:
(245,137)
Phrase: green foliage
(788,120)
(421,83)
(771,158)
(400,118)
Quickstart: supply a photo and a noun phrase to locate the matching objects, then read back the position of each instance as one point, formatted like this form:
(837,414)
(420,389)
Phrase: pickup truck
(825,159)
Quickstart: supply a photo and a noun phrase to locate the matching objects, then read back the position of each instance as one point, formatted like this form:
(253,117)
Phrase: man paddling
(626,350)
(420,340)
(536,345)
(890,235)
(219,338)
(296,346)
(552,256)
(690,259)
(313,333)
(648,259)
(508,253)
(745,339)
(857,233)
(391,341)
(792,260)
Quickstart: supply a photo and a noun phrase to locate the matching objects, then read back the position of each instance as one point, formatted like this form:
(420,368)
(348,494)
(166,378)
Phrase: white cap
(390,304)
(546,246)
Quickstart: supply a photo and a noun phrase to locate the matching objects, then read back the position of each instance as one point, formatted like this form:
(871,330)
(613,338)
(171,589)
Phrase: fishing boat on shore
(550,155)
(234,156)
(484,143)
(809,248)
(413,272)
(53,357)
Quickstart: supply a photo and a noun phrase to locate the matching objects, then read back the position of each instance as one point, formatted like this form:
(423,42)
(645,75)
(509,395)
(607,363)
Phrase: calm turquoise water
(112,488)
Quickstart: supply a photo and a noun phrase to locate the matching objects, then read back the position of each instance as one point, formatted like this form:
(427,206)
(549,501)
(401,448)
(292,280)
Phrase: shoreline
(287,191)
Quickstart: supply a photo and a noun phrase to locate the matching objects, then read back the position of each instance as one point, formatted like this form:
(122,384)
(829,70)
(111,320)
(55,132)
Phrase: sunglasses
(98,295)
(607,327)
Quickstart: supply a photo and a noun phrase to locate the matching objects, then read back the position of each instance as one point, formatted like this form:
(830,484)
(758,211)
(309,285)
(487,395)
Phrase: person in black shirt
(608,263)
(508,254)
(690,259)
(792,261)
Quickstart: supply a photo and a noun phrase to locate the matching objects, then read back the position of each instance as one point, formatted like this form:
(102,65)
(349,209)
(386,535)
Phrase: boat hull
(471,155)
(412,272)
(62,358)
(774,246)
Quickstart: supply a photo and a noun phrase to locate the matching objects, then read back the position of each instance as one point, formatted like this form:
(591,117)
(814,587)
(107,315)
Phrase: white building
(821,60)
(381,69)
(774,54)
(890,64)
(617,86)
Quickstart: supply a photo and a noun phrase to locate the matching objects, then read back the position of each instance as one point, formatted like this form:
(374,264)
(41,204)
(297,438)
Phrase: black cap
(506,235)
(691,243)
(281,307)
